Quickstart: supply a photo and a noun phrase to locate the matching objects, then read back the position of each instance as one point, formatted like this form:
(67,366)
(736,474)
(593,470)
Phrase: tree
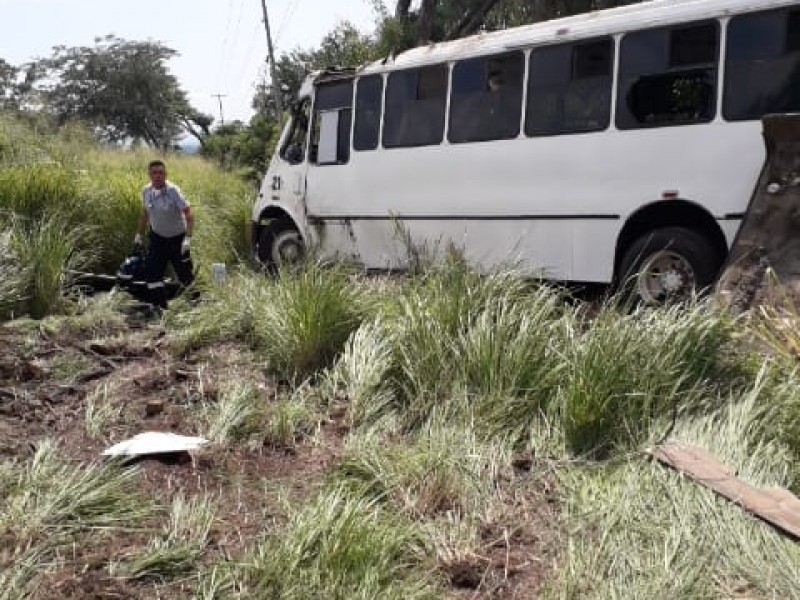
(8,78)
(344,47)
(122,89)
(437,20)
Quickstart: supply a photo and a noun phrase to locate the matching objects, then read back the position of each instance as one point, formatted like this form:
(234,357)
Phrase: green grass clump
(237,414)
(641,530)
(14,277)
(48,504)
(53,496)
(298,323)
(628,370)
(179,548)
(243,413)
(458,334)
(441,469)
(39,256)
(289,419)
(341,545)
(310,315)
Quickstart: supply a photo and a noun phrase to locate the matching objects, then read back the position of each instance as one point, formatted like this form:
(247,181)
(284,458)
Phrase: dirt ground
(45,380)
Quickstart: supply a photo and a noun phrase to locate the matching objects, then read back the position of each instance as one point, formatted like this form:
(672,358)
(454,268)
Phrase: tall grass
(341,545)
(50,253)
(178,549)
(643,531)
(441,469)
(14,276)
(64,177)
(52,496)
(298,323)
(454,334)
(311,314)
(49,503)
(628,370)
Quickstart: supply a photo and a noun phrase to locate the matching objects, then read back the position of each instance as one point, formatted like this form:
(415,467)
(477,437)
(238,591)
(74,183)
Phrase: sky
(222,43)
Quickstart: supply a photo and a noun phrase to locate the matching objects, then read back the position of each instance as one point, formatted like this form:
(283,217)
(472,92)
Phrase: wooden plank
(777,506)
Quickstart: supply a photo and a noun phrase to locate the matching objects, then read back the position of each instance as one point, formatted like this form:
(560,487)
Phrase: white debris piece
(154,442)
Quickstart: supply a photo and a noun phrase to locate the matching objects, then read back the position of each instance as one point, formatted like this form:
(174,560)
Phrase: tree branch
(473,20)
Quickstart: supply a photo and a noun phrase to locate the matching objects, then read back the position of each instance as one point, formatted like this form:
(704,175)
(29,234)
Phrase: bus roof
(596,23)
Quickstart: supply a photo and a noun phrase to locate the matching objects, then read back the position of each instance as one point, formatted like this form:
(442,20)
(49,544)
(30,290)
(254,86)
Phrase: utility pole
(219,97)
(276,90)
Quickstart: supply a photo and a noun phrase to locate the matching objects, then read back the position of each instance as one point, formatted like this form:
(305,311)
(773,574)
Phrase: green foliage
(647,532)
(238,146)
(123,89)
(71,204)
(494,340)
(178,550)
(41,255)
(311,313)
(626,371)
(340,545)
(51,495)
(299,323)
(8,76)
(440,469)
(14,276)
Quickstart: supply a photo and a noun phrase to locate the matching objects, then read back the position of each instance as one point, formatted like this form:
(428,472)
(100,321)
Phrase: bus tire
(668,265)
(280,247)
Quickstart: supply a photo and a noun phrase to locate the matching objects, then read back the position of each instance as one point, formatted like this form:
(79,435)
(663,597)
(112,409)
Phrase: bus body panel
(553,205)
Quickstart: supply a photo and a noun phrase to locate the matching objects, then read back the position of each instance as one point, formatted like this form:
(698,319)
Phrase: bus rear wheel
(280,248)
(668,265)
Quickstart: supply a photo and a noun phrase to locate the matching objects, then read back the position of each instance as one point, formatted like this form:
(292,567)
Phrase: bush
(627,371)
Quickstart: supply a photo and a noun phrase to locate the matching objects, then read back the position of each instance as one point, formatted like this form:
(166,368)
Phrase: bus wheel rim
(666,276)
(288,248)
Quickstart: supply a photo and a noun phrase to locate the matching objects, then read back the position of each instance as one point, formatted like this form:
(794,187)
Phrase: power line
(224,53)
(286,20)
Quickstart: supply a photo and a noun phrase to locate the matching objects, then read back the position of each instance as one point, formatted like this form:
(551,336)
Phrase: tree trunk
(473,20)
(190,129)
(427,18)
(402,9)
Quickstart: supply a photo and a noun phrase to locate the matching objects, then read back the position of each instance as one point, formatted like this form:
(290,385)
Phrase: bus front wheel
(279,248)
(668,265)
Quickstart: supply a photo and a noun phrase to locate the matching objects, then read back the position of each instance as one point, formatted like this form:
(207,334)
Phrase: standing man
(167,212)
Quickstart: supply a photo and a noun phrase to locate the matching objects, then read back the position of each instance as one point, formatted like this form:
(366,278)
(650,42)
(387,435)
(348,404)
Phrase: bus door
(329,153)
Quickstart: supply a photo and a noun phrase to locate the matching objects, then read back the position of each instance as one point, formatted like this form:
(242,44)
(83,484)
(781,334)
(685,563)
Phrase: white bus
(581,149)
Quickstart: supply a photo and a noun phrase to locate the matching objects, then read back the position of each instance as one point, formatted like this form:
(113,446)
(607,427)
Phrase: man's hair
(156,163)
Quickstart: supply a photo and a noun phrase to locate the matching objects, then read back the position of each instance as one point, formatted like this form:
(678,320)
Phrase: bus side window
(333,117)
(486,99)
(369,95)
(762,65)
(416,101)
(569,88)
(668,76)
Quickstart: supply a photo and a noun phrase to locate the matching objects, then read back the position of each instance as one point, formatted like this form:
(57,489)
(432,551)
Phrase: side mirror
(294,154)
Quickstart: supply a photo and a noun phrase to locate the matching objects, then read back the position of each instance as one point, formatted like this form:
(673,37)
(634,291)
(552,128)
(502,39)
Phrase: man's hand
(138,242)
(186,244)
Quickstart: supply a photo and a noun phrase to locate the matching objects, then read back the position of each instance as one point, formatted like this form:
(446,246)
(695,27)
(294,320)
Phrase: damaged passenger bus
(621,142)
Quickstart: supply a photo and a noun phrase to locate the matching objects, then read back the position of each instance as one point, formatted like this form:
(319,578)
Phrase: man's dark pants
(164,250)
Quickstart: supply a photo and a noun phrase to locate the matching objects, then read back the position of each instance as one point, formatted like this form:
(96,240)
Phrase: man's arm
(143,220)
(187,213)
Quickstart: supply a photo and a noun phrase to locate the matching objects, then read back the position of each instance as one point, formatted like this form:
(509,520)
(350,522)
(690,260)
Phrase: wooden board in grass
(777,506)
